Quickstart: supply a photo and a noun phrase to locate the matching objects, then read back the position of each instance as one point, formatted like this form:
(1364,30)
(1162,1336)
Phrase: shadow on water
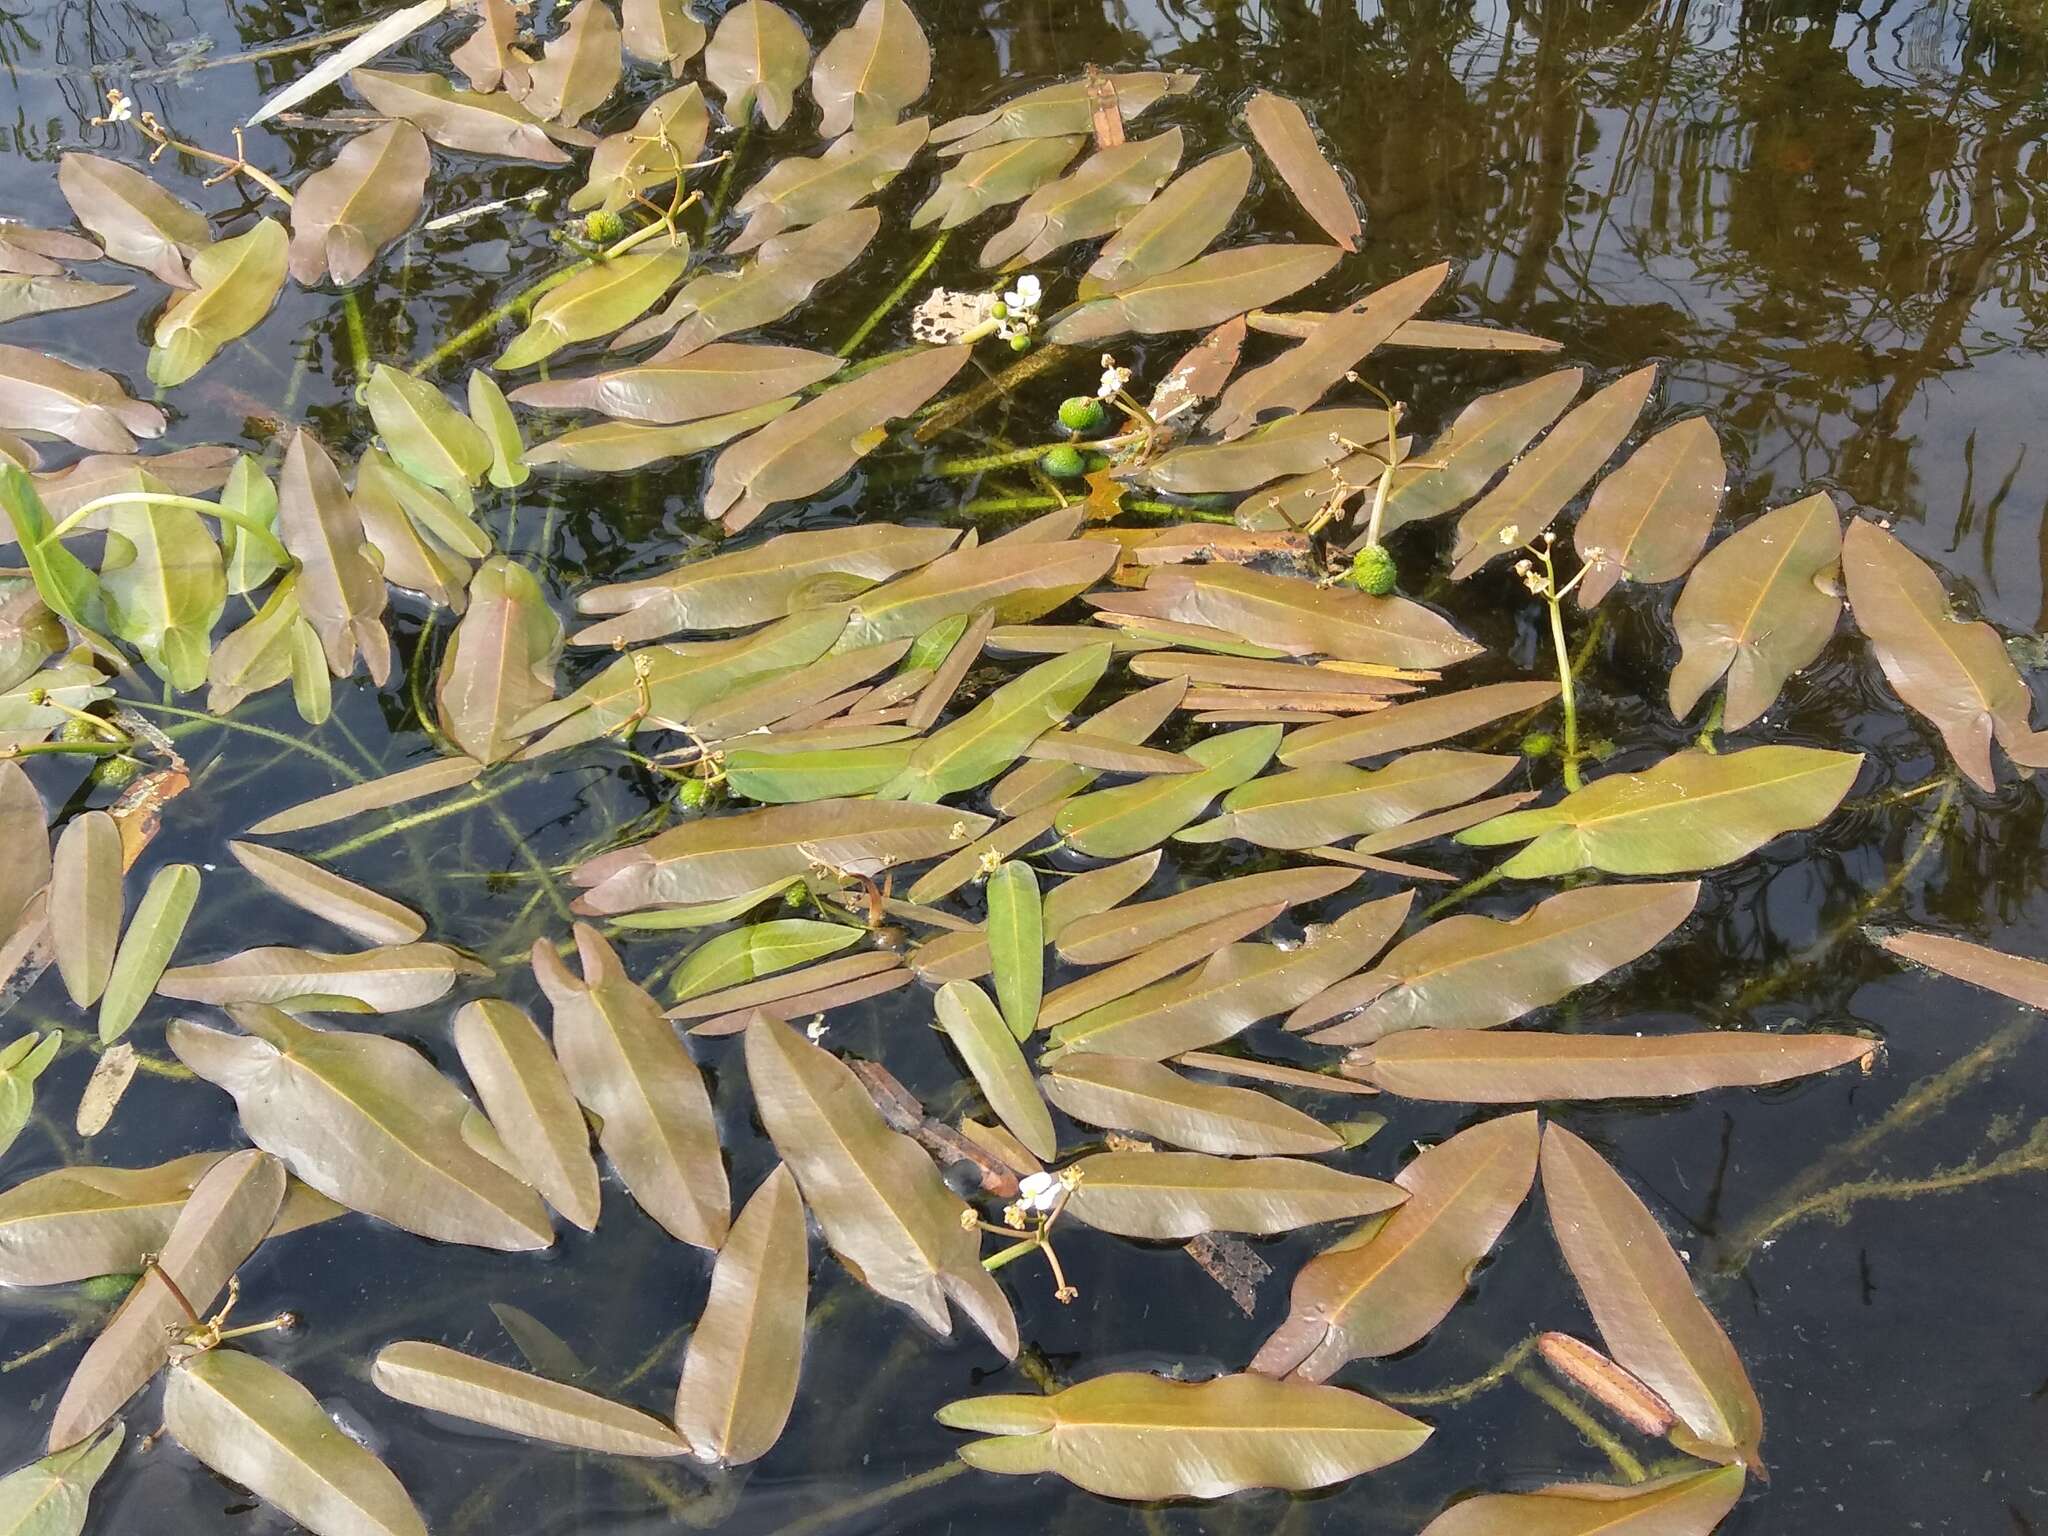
(1825,223)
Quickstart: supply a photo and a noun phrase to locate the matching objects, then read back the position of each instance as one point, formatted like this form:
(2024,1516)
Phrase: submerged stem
(1590,1429)
(1465,1391)
(861,1503)
(896,295)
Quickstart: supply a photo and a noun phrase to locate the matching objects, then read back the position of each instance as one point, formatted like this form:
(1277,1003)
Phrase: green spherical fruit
(694,795)
(1373,571)
(1081,413)
(1538,744)
(795,894)
(1020,342)
(113,772)
(602,228)
(74,730)
(1064,462)
(999,310)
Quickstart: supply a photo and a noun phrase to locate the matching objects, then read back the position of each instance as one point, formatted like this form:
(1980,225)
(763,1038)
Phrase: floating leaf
(250,561)
(370,916)
(146,948)
(1650,519)
(139,223)
(1090,200)
(348,213)
(488,59)
(85,903)
(882,1205)
(968,580)
(579,68)
(408,784)
(443,1380)
(990,737)
(662,32)
(22,1061)
(998,1067)
(1642,1299)
(1378,1297)
(1416,724)
(1549,475)
(622,445)
(1308,807)
(800,454)
(1115,932)
(655,152)
(479,123)
(1473,1067)
(1159,1196)
(1042,784)
(530,1105)
(500,662)
(255,1426)
(385,980)
(872,70)
(713,380)
(489,410)
(50,1497)
(799,191)
(1207,291)
(992,177)
(1683,1504)
(1282,130)
(628,1069)
(1150,1099)
(1166,958)
(757,58)
(21,297)
(1057,109)
(1175,227)
(1016,947)
(366,1121)
(747,954)
(1472,972)
(164,587)
(596,302)
(1133,1436)
(2012,976)
(1758,607)
(782,275)
(1692,811)
(411,554)
(40,393)
(740,1372)
(1115,823)
(340,588)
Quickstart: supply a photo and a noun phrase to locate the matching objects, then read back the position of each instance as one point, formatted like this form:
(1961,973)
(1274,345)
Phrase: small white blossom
(1023,298)
(1039,1191)
(815,1030)
(1113,379)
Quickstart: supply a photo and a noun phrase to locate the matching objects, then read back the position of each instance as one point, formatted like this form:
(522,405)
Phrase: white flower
(1039,1192)
(119,108)
(1113,379)
(1023,298)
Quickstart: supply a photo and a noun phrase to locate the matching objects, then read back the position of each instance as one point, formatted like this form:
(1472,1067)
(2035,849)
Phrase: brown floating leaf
(340,587)
(992,177)
(740,1372)
(1207,291)
(1417,724)
(1642,1298)
(1043,783)
(1684,1504)
(799,191)
(1549,475)
(1090,200)
(21,297)
(711,381)
(629,1069)
(805,451)
(74,1223)
(238,281)
(1282,130)
(1954,673)
(621,445)
(488,59)
(655,152)
(1166,958)
(1650,519)
(1175,227)
(1382,1295)
(1132,1436)
(1308,807)
(1471,972)
(407,784)
(1269,1072)
(1114,932)
(27,249)
(1065,107)
(481,124)
(139,222)
(348,212)
(1606,1383)
(443,1380)
(500,661)
(781,276)
(662,32)
(85,903)
(882,1205)
(2023,980)
(40,393)
(1466,1066)
(1758,607)
(872,70)
(1178,1195)
(390,979)
(530,1105)
(369,915)
(757,58)
(1150,1099)
(227,1214)
(579,68)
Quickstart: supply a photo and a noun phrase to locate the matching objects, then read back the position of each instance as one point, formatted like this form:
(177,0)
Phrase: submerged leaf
(657,151)
(992,177)
(662,32)
(782,275)
(41,393)
(711,381)
(798,191)
(1317,805)
(385,980)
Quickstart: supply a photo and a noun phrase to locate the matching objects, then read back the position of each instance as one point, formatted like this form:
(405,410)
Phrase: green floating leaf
(1057,109)
(785,778)
(489,410)
(992,177)
(1315,806)
(165,588)
(1149,1098)
(663,141)
(1415,724)
(238,280)
(146,948)
(50,1497)
(998,1067)
(747,954)
(1484,439)
(782,275)
(1175,227)
(1683,1504)
(1092,199)
(1207,291)
(990,737)
(345,215)
(85,903)
(1016,946)
(1173,1196)
(22,1061)
(597,301)
(1115,823)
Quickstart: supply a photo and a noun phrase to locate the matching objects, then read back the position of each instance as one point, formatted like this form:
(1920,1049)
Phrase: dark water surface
(1825,224)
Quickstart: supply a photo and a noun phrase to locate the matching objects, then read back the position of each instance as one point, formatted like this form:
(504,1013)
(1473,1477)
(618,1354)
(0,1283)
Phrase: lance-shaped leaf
(752,586)
(781,276)
(1310,807)
(1486,436)
(40,393)
(255,1426)
(989,1047)
(1548,476)
(227,1214)
(238,280)
(443,1380)
(1091,200)
(663,141)
(629,1069)
(1016,947)
(385,980)
(740,1372)
(138,222)
(882,1205)
(713,380)
(250,561)
(798,191)
(85,903)
(429,438)
(990,737)
(1683,1504)
(1207,291)
(21,297)
(341,591)
(369,915)
(530,1105)
(1148,1098)
(596,302)
(580,67)
(785,778)
(1061,108)
(1758,607)
(1692,811)
(25,248)
(802,453)
(1380,1296)
(662,32)
(968,580)
(26,869)
(1234,989)
(1162,1196)
(410,555)
(1954,673)
(488,59)
(1472,972)
(24,1058)
(368,1122)
(490,411)
(1134,1436)
(1041,785)
(621,445)
(1465,1066)
(2012,976)
(500,662)
(757,58)
(761,949)
(1175,227)
(164,587)
(872,70)
(146,948)
(388,33)
(1640,1295)
(50,1497)
(1301,376)
(479,123)
(1167,958)
(1281,129)
(1649,520)
(348,213)
(1115,823)
(408,784)
(1414,724)
(990,178)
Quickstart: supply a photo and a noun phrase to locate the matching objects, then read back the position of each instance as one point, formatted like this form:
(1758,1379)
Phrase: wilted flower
(1113,379)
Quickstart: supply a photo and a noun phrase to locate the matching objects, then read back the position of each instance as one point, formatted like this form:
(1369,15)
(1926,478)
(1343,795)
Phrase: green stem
(358,332)
(732,165)
(264,537)
(1468,890)
(62,748)
(1595,1434)
(861,1503)
(896,295)
(1566,694)
(149,706)
(1465,1391)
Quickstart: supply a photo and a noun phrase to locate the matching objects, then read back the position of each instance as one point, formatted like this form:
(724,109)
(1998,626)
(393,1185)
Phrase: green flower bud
(113,772)
(602,228)
(1081,413)
(1538,744)
(1373,571)
(1064,462)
